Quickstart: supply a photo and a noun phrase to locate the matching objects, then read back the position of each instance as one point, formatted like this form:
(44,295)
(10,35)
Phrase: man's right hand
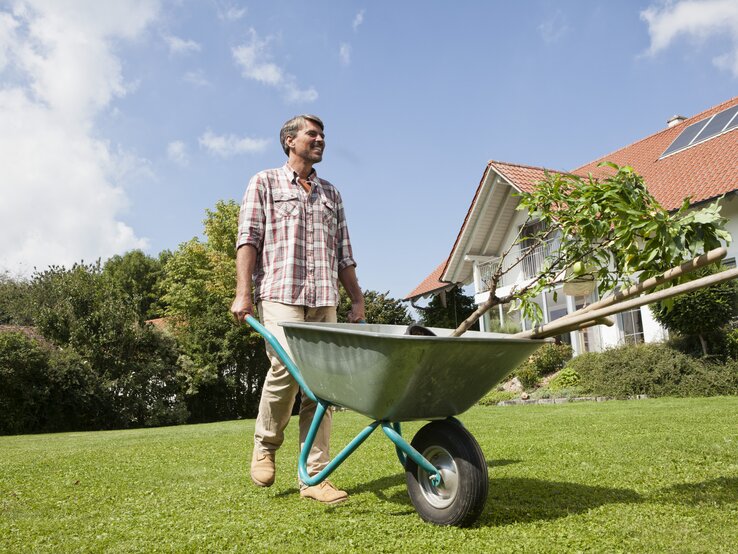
(241,307)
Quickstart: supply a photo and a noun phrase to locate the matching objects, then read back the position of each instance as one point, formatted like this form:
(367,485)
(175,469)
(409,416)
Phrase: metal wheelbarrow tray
(380,372)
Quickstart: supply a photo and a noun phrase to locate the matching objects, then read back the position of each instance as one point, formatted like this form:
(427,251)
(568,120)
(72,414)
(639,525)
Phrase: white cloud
(554,28)
(700,20)
(181,46)
(197,78)
(344,53)
(177,152)
(60,192)
(254,60)
(226,146)
(230,12)
(8,26)
(358,20)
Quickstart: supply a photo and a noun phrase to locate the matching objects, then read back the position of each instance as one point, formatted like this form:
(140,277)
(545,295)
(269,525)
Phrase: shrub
(495,396)
(529,375)
(547,392)
(654,370)
(548,359)
(567,378)
(25,385)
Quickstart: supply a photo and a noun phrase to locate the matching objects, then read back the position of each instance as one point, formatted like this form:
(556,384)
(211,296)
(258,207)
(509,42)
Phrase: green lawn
(639,476)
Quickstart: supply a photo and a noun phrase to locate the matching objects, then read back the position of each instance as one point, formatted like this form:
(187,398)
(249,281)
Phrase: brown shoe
(262,468)
(324,492)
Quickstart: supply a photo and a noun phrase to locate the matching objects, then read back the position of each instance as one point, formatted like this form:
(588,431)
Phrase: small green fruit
(577,269)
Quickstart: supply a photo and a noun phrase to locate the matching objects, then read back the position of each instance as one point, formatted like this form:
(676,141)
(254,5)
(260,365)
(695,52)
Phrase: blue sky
(121,121)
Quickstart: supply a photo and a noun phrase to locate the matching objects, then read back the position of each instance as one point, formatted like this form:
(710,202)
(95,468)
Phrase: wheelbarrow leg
(412,453)
(338,459)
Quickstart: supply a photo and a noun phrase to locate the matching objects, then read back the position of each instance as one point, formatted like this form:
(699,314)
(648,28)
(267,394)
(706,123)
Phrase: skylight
(705,129)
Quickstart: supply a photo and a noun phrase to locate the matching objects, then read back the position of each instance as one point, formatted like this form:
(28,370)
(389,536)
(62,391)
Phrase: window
(587,338)
(630,324)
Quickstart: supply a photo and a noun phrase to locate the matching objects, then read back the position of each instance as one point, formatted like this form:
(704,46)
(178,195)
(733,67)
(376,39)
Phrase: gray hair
(290,128)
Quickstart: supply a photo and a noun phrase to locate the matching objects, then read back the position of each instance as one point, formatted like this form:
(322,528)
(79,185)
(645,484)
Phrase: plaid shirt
(301,238)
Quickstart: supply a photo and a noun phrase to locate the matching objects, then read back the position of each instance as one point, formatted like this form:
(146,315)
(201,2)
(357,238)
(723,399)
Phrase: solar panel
(684,138)
(717,123)
(733,124)
(705,129)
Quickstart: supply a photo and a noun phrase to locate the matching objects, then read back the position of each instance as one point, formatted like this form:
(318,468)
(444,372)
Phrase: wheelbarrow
(393,377)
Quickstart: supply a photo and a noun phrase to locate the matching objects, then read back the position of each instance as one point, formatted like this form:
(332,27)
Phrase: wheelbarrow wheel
(459,498)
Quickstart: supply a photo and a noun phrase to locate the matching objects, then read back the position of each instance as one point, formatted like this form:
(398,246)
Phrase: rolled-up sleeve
(345,253)
(251,217)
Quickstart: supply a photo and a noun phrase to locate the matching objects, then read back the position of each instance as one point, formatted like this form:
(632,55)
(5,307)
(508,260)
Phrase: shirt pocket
(330,217)
(286,204)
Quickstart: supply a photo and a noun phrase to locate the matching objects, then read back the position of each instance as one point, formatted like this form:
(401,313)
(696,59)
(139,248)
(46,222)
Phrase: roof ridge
(525,166)
(686,122)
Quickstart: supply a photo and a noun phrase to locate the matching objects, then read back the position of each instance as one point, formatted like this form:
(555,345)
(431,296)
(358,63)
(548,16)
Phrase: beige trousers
(280,389)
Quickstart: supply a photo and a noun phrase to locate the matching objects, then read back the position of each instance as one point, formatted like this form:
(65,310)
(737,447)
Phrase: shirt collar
(292,174)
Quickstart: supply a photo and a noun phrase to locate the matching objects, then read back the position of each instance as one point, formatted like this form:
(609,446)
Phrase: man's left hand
(356,315)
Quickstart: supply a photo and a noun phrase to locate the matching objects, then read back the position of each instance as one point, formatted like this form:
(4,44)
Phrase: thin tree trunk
(703,342)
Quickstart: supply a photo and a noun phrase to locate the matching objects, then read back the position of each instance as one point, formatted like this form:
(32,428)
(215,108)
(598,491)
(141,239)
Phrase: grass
(647,476)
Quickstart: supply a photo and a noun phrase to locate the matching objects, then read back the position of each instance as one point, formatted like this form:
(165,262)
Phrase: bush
(547,392)
(654,370)
(529,375)
(24,383)
(548,359)
(566,379)
(495,396)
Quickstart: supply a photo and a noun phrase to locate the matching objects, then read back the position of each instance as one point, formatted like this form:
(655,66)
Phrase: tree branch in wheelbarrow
(610,232)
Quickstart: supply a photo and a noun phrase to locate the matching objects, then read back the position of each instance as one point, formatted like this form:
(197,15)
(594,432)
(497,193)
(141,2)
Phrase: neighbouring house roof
(28,331)
(161,323)
(704,171)
(432,284)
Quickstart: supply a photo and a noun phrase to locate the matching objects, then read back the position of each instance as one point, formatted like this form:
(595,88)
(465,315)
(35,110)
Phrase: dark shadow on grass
(720,491)
(511,499)
(523,500)
(499,463)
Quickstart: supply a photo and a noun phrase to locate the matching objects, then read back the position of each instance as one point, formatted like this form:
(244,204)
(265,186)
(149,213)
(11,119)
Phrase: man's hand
(356,315)
(348,279)
(241,307)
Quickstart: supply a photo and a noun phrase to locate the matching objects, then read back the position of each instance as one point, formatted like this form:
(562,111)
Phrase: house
(694,157)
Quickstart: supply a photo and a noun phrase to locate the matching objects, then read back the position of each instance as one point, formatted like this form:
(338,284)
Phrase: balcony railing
(529,267)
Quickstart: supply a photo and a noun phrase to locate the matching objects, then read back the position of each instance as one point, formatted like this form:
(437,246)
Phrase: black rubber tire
(460,498)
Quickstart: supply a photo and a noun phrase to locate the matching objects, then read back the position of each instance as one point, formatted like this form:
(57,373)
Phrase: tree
(85,310)
(224,363)
(138,275)
(15,304)
(458,306)
(380,308)
(611,230)
(699,313)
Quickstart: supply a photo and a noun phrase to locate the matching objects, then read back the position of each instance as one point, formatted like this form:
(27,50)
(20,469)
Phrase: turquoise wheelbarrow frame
(392,375)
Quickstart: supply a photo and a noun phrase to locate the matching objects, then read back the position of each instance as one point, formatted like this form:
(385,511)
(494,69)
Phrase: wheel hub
(442,495)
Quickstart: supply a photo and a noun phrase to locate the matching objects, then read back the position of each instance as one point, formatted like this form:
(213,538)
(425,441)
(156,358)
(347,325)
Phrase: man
(293,240)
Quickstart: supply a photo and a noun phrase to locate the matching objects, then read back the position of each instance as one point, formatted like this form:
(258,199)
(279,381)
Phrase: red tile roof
(704,171)
(522,177)
(431,283)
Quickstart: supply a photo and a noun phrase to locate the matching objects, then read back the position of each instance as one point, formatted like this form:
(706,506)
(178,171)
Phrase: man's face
(308,143)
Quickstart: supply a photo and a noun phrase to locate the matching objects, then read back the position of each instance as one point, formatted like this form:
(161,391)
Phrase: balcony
(529,267)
